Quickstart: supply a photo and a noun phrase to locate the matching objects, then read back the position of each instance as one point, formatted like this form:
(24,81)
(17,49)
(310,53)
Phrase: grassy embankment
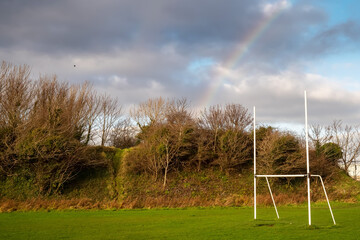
(191,223)
(112,188)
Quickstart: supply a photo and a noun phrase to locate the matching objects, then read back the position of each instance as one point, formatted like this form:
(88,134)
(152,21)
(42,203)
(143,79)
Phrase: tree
(166,128)
(236,117)
(204,148)
(110,112)
(280,153)
(150,112)
(16,102)
(319,135)
(123,135)
(93,112)
(43,124)
(348,138)
(177,135)
(230,143)
(332,152)
(212,119)
(235,150)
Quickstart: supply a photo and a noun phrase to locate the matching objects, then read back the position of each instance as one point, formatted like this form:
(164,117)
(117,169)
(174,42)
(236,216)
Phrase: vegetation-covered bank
(111,187)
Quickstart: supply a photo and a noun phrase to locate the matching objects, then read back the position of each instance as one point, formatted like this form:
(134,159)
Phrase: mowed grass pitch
(192,223)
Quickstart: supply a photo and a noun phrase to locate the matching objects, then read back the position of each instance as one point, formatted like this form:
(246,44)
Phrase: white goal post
(307,175)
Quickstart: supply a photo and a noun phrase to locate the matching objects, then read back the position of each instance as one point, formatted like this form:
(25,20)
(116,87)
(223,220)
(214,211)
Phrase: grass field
(193,223)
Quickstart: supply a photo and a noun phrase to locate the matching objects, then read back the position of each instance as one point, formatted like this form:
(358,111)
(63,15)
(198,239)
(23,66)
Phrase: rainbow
(238,53)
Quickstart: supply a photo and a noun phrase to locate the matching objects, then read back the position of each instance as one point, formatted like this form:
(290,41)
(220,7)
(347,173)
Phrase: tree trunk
(88,135)
(166,166)
(103,133)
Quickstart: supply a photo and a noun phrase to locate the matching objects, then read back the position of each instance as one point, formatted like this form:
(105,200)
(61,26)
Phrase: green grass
(193,223)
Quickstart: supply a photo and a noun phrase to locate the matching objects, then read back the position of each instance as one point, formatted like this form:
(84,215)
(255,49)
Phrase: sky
(251,52)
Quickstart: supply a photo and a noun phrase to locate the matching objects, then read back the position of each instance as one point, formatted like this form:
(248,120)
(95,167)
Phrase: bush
(280,153)
(234,150)
(332,152)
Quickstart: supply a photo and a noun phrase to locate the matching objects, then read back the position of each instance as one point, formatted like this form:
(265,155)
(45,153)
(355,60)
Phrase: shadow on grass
(317,227)
(280,223)
(266,223)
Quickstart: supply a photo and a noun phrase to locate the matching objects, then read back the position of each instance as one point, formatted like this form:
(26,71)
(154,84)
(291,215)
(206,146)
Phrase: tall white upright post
(307,159)
(254,166)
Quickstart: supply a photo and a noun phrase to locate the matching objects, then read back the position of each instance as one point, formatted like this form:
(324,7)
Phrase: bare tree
(16,94)
(93,112)
(348,138)
(123,135)
(236,117)
(319,135)
(230,142)
(148,116)
(150,112)
(110,112)
(174,136)
(164,131)
(16,101)
(213,119)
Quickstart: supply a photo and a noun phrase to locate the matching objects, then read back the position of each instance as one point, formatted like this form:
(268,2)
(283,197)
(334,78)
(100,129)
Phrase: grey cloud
(281,44)
(197,28)
(344,36)
(65,26)
(76,27)
(80,26)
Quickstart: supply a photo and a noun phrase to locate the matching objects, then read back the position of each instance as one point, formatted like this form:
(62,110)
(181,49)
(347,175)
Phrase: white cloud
(272,8)
(117,81)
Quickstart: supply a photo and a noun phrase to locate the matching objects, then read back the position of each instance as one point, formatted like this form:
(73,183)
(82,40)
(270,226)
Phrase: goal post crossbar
(283,175)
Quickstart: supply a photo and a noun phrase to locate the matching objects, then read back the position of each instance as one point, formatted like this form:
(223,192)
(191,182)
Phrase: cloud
(334,39)
(78,26)
(135,50)
(279,97)
(91,26)
(273,8)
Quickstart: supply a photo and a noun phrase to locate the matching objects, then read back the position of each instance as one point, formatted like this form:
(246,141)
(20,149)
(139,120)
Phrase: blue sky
(339,11)
(182,48)
(342,66)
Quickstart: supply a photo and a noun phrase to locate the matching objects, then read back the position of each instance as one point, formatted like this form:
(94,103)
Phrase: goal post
(254,165)
(307,175)
(307,159)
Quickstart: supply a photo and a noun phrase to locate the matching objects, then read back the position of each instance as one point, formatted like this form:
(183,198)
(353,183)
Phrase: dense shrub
(332,152)
(234,150)
(280,153)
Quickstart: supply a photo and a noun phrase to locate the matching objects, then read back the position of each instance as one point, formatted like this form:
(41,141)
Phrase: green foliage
(51,159)
(90,184)
(262,132)
(102,182)
(18,187)
(331,151)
